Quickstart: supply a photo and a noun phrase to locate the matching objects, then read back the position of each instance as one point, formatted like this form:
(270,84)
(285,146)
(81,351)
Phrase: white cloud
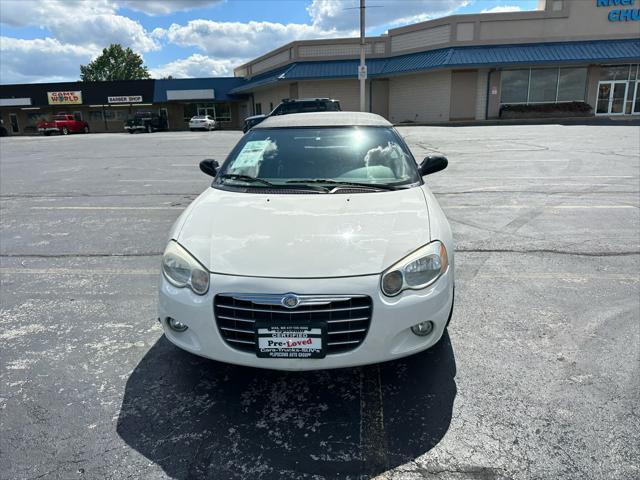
(345,15)
(235,39)
(41,60)
(83,22)
(164,7)
(502,9)
(197,65)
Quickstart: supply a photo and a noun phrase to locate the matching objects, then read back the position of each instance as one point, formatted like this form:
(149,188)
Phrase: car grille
(347,320)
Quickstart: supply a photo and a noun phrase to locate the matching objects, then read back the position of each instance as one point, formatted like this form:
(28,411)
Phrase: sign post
(362,68)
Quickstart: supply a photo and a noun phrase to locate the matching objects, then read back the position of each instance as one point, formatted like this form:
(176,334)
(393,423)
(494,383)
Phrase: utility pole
(362,68)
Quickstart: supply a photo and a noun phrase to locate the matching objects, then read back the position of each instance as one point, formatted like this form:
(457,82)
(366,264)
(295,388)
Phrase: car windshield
(304,107)
(369,156)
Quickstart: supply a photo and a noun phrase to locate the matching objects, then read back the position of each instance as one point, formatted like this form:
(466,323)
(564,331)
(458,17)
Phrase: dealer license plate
(290,341)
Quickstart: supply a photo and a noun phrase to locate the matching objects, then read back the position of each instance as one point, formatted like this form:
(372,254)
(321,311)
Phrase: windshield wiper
(330,181)
(246,178)
(249,179)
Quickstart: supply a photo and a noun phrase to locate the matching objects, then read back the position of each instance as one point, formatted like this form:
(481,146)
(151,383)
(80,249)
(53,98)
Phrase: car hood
(304,235)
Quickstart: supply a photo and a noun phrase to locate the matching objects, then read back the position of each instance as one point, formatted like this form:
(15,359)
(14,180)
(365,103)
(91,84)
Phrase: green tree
(115,63)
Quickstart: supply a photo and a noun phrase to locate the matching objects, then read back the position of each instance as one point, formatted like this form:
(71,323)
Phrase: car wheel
(131,132)
(46,134)
(86,130)
(192,129)
(65,131)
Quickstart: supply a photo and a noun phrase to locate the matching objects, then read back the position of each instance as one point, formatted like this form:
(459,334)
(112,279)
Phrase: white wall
(346,91)
(420,98)
(271,95)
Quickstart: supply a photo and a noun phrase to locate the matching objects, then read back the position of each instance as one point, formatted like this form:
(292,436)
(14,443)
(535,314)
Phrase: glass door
(13,119)
(206,110)
(636,99)
(612,96)
(618,98)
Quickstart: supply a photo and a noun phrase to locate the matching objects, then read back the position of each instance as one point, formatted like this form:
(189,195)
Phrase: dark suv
(145,122)
(300,105)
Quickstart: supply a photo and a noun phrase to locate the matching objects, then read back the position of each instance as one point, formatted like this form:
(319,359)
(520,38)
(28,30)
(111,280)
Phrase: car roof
(324,119)
(310,99)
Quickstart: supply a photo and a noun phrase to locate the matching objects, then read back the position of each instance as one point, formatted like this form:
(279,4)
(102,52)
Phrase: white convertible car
(317,246)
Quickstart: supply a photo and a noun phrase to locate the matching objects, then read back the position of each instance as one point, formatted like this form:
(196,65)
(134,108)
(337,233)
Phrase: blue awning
(623,50)
(222,87)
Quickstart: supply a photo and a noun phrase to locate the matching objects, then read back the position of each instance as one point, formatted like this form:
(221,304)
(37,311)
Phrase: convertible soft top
(324,119)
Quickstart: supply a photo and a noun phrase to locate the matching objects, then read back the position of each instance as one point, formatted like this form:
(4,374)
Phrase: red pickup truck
(64,124)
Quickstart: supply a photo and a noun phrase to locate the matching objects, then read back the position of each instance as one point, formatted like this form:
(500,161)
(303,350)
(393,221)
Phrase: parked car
(202,122)
(318,245)
(64,124)
(3,131)
(302,105)
(145,122)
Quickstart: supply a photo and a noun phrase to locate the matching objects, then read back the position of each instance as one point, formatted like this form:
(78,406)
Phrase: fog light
(423,328)
(175,325)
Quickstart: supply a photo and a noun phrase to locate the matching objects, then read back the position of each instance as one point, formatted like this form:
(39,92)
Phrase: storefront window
(543,85)
(34,117)
(95,115)
(190,110)
(223,112)
(515,86)
(572,84)
(614,72)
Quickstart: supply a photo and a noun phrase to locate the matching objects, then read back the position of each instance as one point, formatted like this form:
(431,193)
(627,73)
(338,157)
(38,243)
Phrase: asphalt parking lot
(539,377)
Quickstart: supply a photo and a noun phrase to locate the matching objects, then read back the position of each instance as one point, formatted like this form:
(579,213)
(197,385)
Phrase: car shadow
(197,418)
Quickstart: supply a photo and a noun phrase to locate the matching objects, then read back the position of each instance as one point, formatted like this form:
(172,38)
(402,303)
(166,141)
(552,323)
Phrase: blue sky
(47,40)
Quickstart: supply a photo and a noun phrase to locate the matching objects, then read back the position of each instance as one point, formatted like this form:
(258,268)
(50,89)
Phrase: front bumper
(49,129)
(389,336)
(134,127)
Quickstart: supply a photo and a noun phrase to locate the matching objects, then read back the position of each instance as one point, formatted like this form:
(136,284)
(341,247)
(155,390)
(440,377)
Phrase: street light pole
(362,69)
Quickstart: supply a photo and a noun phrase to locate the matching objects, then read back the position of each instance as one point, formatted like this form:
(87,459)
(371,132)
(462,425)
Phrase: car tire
(46,134)
(86,129)
(65,131)
(130,131)
(192,129)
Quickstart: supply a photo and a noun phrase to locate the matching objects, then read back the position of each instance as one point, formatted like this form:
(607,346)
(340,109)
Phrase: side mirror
(433,164)
(209,166)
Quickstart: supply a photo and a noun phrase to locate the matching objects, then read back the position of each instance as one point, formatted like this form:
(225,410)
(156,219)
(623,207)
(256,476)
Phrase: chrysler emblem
(290,300)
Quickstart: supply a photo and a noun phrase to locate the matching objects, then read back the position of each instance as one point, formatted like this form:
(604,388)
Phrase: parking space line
(108,208)
(545,207)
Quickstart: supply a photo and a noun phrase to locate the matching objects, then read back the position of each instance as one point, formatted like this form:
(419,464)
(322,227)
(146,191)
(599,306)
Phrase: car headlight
(182,270)
(417,270)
